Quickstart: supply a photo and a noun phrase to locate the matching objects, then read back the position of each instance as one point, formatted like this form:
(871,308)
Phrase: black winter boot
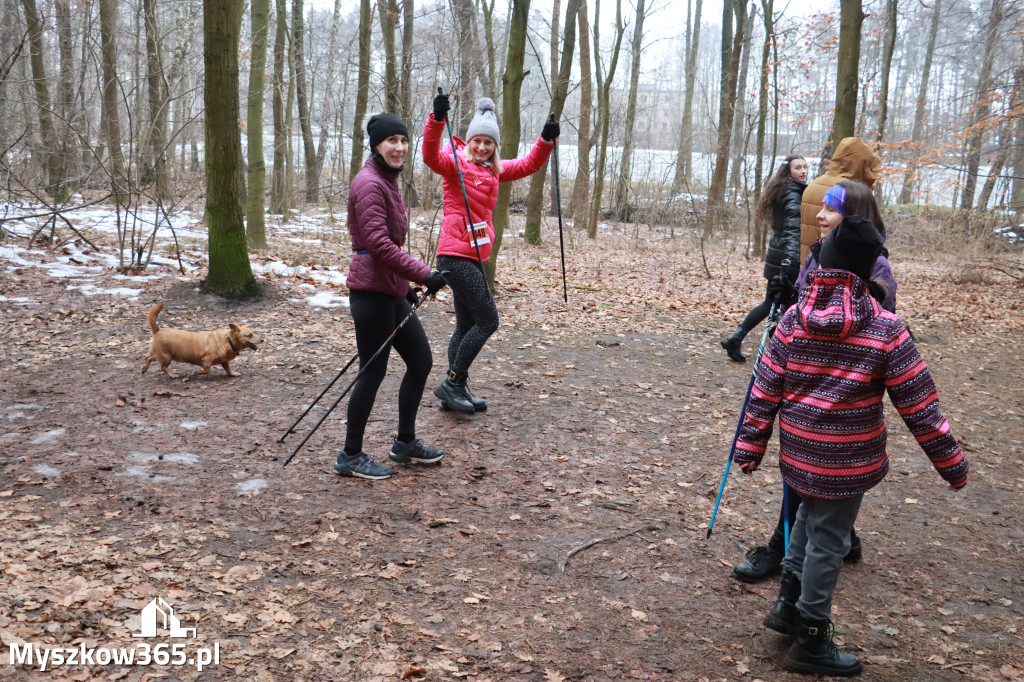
(453,392)
(783,616)
(731,344)
(814,653)
(856,551)
(478,404)
(762,562)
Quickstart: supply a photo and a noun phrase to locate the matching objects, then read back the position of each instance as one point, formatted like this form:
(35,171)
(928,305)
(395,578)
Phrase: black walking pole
(465,197)
(358,374)
(558,200)
(743,412)
(335,379)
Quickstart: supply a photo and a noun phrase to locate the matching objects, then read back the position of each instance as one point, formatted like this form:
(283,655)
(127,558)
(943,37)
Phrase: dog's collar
(230,343)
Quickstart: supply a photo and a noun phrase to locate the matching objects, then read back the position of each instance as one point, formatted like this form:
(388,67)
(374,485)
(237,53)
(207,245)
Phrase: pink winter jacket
(481,188)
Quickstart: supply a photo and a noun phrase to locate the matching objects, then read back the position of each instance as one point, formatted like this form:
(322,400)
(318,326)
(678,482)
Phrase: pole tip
(708,536)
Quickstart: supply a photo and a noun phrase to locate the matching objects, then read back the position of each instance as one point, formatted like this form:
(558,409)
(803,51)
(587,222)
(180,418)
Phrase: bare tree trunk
(157,102)
(67,113)
(411,197)
(110,115)
(299,57)
(684,161)
(850,19)
(888,48)
(327,96)
(51,149)
(488,9)
(996,169)
(1016,113)
(229,274)
(739,140)
(560,89)
(604,86)
(512,84)
(621,203)
(922,100)
(363,85)
(467,50)
(981,110)
(388,23)
(578,205)
(768,9)
(727,110)
(278,192)
(256,226)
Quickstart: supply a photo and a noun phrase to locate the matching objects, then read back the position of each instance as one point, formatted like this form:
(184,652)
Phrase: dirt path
(609,421)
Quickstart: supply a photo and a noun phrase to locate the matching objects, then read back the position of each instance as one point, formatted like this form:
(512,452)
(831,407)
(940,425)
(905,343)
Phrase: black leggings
(761,310)
(376,316)
(476,316)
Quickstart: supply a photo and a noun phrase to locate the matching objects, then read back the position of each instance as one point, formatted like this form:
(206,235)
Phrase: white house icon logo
(170,622)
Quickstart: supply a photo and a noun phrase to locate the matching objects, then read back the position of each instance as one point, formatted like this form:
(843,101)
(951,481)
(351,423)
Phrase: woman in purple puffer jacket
(380,298)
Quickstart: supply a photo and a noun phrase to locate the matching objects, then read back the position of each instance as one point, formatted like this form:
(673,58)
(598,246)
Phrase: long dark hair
(773,190)
(860,201)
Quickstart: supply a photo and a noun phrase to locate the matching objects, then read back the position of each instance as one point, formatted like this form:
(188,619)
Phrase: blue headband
(836,198)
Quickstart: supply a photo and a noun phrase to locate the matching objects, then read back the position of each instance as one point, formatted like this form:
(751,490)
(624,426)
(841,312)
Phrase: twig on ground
(611,538)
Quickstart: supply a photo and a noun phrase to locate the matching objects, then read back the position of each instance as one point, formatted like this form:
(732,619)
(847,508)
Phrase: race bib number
(478,233)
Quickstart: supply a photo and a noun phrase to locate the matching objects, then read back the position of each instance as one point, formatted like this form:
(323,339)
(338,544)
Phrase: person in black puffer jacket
(780,204)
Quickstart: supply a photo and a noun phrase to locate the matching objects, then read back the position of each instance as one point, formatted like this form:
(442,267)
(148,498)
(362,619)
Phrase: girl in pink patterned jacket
(465,245)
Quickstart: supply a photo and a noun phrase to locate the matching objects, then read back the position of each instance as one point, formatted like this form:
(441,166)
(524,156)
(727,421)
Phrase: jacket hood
(854,159)
(836,305)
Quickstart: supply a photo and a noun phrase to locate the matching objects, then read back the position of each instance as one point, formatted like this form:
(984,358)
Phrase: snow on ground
(91,272)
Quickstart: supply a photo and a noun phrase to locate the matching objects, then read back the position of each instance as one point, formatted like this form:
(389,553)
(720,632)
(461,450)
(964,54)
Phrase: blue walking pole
(785,514)
(743,413)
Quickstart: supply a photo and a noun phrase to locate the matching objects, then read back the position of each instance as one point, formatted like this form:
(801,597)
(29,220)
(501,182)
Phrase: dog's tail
(153,312)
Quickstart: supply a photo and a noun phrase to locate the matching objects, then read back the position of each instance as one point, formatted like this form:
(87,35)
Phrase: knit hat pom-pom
(485,104)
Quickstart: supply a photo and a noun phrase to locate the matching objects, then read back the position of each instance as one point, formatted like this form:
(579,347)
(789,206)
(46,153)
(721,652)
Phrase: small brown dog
(199,348)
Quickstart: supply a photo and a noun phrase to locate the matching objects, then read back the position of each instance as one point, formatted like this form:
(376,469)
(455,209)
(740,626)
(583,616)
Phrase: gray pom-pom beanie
(485,122)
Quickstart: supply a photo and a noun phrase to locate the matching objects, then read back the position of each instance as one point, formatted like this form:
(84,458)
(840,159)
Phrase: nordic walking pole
(785,514)
(743,412)
(335,379)
(465,197)
(558,200)
(358,374)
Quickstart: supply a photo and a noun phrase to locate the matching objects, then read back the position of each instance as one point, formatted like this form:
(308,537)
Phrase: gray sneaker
(415,452)
(360,466)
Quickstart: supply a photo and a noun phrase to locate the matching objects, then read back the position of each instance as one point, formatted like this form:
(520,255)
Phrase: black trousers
(376,315)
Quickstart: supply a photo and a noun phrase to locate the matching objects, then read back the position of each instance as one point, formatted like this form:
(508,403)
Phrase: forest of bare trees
(670,111)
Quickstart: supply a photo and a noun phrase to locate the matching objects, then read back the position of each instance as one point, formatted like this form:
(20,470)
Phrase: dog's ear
(234,327)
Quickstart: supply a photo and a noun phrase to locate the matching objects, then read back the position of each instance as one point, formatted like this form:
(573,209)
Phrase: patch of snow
(93,290)
(192,426)
(143,472)
(47,437)
(325,299)
(19,300)
(178,457)
(253,486)
(47,470)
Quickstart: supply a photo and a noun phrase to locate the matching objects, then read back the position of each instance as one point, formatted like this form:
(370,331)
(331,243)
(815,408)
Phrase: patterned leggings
(476,316)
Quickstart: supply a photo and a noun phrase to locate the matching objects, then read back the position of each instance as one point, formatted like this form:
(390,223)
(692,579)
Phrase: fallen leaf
(410,672)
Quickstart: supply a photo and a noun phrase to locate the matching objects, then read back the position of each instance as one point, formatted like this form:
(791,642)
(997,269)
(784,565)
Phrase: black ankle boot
(478,404)
(452,391)
(762,562)
(814,652)
(783,616)
(731,344)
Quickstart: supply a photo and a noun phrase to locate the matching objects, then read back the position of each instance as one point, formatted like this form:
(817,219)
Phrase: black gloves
(780,287)
(441,107)
(435,281)
(550,131)
(413,295)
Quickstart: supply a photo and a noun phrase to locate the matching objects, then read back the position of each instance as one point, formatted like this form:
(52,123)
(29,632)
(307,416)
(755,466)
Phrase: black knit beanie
(854,245)
(383,126)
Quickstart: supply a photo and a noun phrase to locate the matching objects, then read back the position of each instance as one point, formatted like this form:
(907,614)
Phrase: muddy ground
(563,535)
